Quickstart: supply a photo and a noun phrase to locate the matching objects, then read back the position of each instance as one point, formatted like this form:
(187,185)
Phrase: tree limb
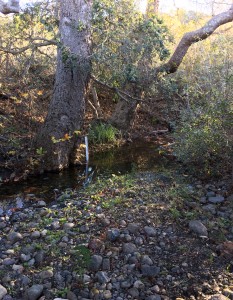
(29,46)
(192,37)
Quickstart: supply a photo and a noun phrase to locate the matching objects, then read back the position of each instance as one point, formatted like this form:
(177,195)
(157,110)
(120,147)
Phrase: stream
(137,156)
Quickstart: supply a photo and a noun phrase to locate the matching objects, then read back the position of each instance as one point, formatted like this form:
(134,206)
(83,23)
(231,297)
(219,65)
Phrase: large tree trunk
(57,136)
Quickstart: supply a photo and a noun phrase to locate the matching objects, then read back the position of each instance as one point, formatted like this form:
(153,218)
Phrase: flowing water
(130,157)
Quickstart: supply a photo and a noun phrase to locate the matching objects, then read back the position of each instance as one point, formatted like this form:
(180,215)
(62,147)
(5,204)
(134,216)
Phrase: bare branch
(33,46)
(192,37)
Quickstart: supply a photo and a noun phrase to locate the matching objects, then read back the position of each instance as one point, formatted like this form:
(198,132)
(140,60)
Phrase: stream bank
(147,235)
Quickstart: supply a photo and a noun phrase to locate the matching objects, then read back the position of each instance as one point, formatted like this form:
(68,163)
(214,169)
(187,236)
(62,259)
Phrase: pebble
(113,234)
(34,292)
(150,271)
(14,237)
(102,277)
(96,262)
(150,231)
(3,291)
(216,199)
(199,228)
(129,248)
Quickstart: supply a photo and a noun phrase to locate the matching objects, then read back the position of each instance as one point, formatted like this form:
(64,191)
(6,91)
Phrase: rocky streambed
(145,236)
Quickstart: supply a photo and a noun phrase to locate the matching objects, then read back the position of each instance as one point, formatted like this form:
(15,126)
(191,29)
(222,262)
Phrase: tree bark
(57,136)
(11,6)
(192,37)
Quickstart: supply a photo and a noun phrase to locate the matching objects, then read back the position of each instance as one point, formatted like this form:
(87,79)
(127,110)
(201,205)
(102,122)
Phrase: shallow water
(130,157)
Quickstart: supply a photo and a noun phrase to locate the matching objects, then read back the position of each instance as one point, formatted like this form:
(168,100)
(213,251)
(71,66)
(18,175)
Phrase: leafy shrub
(102,133)
(205,137)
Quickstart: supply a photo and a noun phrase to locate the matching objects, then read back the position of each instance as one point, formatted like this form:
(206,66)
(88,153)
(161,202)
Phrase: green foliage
(126,44)
(102,134)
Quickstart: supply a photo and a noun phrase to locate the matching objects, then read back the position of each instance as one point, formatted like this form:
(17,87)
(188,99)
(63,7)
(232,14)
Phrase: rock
(218,297)
(34,292)
(96,245)
(8,261)
(39,257)
(60,299)
(217,199)
(3,291)
(153,297)
(133,292)
(139,241)
(228,293)
(129,248)
(146,260)
(35,235)
(68,226)
(71,296)
(107,294)
(46,274)
(40,203)
(150,231)
(113,234)
(102,277)
(133,228)
(138,284)
(150,271)
(96,262)
(226,249)
(106,264)
(14,237)
(210,208)
(197,227)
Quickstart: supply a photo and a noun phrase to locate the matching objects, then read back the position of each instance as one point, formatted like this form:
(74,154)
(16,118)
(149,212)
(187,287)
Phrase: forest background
(195,102)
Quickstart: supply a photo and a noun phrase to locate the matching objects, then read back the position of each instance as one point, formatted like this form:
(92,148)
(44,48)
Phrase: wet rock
(14,237)
(129,248)
(150,231)
(217,199)
(150,271)
(96,262)
(113,234)
(199,228)
(3,291)
(34,292)
(102,277)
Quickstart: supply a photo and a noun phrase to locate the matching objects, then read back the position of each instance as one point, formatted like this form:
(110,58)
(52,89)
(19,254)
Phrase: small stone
(34,292)
(133,292)
(129,248)
(39,257)
(71,296)
(113,234)
(150,231)
(228,293)
(86,278)
(219,297)
(35,235)
(25,257)
(107,294)
(150,271)
(217,199)
(106,264)
(146,260)
(133,228)
(84,228)
(18,268)
(126,284)
(68,226)
(40,203)
(14,237)
(210,208)
(3,291)
(55,225)
(8,261)
(210,194)
(197,227)
(96,262)
(153,297)
(102,277)
(138,284)
(139,241)
(46,274)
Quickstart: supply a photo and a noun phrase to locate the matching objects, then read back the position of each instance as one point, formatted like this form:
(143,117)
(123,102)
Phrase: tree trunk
(57,136)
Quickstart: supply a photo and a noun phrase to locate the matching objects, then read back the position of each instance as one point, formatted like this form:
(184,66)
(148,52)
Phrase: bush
(102,133)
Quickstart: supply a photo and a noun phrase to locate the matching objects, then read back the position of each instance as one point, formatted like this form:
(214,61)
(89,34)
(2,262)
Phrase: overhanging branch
(192,37)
